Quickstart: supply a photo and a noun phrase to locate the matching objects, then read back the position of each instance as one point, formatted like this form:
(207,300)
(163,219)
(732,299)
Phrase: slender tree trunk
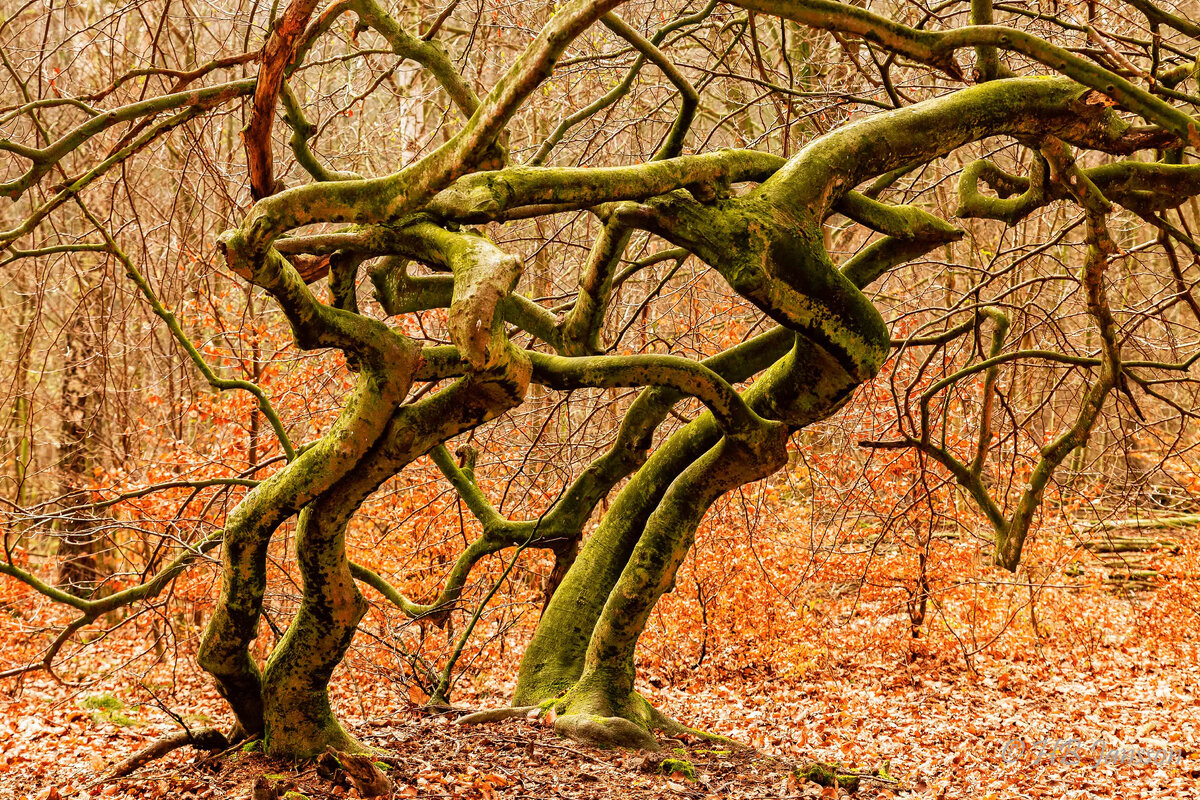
(20,420)
(82,379)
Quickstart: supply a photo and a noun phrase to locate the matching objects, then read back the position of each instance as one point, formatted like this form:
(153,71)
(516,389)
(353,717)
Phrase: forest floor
(995,700)
(937,728)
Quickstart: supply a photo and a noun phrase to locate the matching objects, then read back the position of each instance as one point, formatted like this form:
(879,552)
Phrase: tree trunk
(553,661)
(582,654)
(224,649)
(82,378)
(298,721)
(606,688)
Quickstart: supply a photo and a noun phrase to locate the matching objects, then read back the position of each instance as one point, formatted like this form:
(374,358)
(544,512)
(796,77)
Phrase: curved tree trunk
(605,690)
(225,647)
(553,661)
(298,719)
(768,246)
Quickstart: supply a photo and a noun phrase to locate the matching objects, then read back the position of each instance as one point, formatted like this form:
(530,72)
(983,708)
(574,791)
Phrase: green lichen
(828,775)
(103,702)
(106,708)
(678,766)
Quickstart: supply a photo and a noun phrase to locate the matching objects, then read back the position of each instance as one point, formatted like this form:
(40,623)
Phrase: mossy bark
(582,653)
(768,246)
(225,647)
(298,720)
(553,661)
(606,686)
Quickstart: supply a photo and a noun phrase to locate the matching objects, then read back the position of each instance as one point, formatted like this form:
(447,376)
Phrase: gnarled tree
(1106,126)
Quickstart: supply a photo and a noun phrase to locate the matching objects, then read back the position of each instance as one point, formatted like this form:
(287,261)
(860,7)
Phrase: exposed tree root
(674,728)
(203,739)
(829,775)
(496,715)
(353,770)
(605,716)
(605,731)
(833,776)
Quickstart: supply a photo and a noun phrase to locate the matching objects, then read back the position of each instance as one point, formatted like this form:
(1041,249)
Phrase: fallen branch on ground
(1181,521)
(202,739)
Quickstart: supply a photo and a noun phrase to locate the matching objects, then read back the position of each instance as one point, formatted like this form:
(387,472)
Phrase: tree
(1104,131)
(82,376)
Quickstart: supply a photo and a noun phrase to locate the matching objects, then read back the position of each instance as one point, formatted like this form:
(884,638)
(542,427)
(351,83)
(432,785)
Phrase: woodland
(599,398)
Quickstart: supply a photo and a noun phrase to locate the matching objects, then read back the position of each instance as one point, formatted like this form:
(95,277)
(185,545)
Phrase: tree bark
(83,375)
